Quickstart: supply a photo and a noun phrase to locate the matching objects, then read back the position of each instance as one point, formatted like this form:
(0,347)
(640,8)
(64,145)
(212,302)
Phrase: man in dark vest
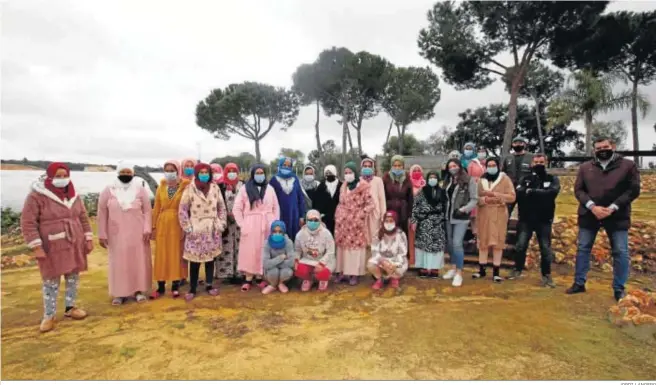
(605,188)
(517,165)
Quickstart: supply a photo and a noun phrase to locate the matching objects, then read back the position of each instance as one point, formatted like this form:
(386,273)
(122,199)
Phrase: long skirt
(412,261)
(429,261)
(225,265)
(352,261)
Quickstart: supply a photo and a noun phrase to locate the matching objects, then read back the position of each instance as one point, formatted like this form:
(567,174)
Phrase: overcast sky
(99,81)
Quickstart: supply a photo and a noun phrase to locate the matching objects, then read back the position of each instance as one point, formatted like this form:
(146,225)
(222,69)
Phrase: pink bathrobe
(130,266)
(254,224)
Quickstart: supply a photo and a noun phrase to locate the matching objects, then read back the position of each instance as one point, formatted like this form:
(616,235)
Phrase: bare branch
(271,124)
(499,64)
(493,71)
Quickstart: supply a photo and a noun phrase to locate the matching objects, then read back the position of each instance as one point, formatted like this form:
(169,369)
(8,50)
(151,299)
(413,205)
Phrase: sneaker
(394,283)
(353,281)
(515,274)
(547,281)
(377,285)
(323,285)
(268,290)
(47,324)
(575,289)
(283,288)
(76,314)
(619,295)
(497,279)
(450,274)
(306,285)
(457,280)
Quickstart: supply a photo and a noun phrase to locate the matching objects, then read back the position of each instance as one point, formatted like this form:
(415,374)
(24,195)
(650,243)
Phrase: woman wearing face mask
(217,173)
(355,204)
(468,155)
(309,184)
(203,217)
(124,228)
(255,209)
(377,191)
(495,192)
(225,265)
(476,169)
(278,259)
(290,196)
(188,165)
(428,217)
(315,249)
(418,183)
(55,225)
(399,192)
(389,253)
(455,154)
(461,191)
(167,233)
(326,197)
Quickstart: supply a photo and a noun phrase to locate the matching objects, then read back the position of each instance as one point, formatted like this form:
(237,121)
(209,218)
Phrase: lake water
(15,185)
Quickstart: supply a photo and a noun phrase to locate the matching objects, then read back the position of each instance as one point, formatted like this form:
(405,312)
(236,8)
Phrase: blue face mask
(189,171)
(204,178)
(313,226)
(367,171)
(492,170)
(277,238)
(469,153)
(259,178)
(432,182)
(398,172)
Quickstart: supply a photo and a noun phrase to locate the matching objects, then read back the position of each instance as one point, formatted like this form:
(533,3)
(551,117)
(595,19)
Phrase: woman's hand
(152,235)
(319,268)
(39,253)
(89,247)
(103,243)
(146,237)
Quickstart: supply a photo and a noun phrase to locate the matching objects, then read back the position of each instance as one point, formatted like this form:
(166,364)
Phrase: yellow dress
(169,265)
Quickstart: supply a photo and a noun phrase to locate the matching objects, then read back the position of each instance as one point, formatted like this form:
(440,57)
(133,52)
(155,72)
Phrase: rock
(636,315)
(644,319)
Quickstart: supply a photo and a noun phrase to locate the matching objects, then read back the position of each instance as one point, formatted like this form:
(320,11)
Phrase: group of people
(266,230)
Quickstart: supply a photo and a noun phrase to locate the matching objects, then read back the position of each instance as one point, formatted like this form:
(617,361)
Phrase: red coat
(60,227)
(399,197)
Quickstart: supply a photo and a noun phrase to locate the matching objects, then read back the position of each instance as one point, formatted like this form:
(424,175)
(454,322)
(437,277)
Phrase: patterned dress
(350,229)
(430,237)
(204,216)
(225,265)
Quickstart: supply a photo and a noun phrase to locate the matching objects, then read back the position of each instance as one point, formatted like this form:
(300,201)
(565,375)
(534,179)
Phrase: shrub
(10,220)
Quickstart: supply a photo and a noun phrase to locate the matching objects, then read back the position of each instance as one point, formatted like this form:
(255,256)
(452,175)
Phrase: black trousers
(525,232)
(194,272)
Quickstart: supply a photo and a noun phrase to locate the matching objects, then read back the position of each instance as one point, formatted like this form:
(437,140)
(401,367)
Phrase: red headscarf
(67,192)
(204,187)
(230,184)
(383,230)
(217,170)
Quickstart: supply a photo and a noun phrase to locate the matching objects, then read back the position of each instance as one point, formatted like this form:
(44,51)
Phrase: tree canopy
(464,40)
(249,110)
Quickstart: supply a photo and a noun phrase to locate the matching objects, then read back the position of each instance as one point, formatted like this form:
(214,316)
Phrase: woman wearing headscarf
(326,198)
(355,204)
(461,192)
(389,253)
(203,217)
(468,154)
(124,228)
(225,265)
(255,209)
(452,155)
(476,169)
(428,217)
(398,192)
(315,251)
(495,193)
(188,165)
(377,191)
(278,258)
(290,196)
(309,184)
(167,233)
(55,225)
(217,173)
(418,183)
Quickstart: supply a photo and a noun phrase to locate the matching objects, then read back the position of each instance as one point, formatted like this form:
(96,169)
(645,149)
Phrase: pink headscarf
(217,171)
(178,168)
(182,164)
(417,182)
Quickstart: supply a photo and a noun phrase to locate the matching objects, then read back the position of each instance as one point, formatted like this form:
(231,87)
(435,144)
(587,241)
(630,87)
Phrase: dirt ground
(427,330)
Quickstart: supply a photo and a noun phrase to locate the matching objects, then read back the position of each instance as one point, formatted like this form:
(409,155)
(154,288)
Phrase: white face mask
(216,177)
(309,178)
(390,226)
(171,176)
(349,178)
(61,182)
(482,155)
(232,175)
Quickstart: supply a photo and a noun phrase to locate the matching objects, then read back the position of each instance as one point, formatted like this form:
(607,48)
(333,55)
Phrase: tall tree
(465,40)
(622,42)
(585,97)
(332,155)
(412,146)
(486,126)
(437,142)
(410,96)
(541,84)
(309,84)
(614,129)
(249,110)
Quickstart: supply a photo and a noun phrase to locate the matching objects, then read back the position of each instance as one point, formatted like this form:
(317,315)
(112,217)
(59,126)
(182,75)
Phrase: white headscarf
(125,193)
(331,186)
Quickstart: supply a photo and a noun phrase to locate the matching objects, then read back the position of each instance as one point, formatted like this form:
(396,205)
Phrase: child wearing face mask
(389,253)
(278,259)
(315,250)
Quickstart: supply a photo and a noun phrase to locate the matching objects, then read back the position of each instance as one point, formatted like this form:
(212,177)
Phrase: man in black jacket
(536,198)
(517,165)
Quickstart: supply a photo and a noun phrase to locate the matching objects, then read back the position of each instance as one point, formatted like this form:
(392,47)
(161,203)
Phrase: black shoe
(575,289)
(423,274)
(435,274)
(619,295)
(547,281)
(515,274)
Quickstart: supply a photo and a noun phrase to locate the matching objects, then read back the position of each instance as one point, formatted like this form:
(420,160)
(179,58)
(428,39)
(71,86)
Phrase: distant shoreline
(18,167)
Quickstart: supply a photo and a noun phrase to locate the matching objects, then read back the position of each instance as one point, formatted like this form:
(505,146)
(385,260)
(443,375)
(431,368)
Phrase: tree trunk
(634,121)
(402,141)
(587,123)
(512,117)
(389,132)
(258,156)
(345,129)
(350,140)
(539,123)
(322,160)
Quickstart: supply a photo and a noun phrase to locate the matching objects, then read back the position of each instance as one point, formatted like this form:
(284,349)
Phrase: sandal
(175,294)
(213,292)
(141,298)
(118,301)
(189,297)
(246,287)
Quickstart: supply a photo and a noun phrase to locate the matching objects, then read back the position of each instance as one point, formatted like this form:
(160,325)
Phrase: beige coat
(492,219)
(375,218)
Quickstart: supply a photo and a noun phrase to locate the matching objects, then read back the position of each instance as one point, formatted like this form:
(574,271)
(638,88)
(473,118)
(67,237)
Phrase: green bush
(10,220)
(91,203)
